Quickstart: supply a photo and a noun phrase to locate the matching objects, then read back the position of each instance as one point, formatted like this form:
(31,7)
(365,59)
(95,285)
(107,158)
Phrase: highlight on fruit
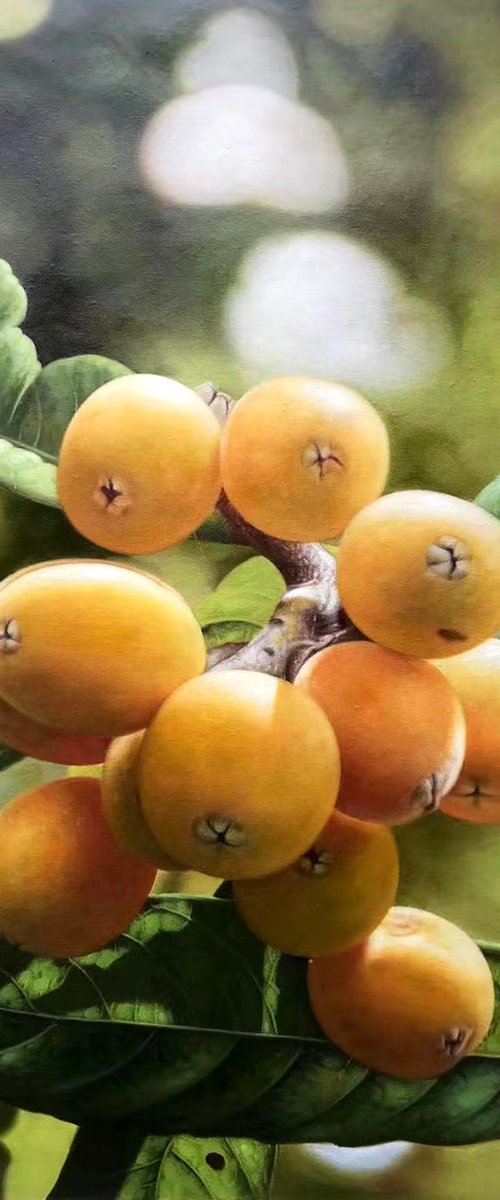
(93,647)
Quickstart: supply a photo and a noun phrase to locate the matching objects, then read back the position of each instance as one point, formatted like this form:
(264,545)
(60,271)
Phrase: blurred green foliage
(411,89)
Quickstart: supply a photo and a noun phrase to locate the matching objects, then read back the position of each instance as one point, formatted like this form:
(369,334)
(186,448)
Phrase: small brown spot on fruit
(10,636)
(452,635)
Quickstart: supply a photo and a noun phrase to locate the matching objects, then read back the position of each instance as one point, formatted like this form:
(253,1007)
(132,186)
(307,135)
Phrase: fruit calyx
(219,402)
(219,830)
(315,862)
(428,793)
(322,458)
(454,1041)
(110,494)
(448,558)
(10,636)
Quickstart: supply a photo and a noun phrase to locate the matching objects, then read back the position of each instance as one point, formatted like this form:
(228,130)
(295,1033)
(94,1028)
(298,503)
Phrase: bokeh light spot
(20,17)
(361,1160)
(239,46)
(324,304)
(356,21)
(243,145)
(471,153)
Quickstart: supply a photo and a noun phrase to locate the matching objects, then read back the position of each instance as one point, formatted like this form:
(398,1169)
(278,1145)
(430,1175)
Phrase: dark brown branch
(298,562)
(309,615)
(217,654)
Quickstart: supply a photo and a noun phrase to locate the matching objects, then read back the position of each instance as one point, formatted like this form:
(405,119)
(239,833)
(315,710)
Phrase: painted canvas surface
(293,202)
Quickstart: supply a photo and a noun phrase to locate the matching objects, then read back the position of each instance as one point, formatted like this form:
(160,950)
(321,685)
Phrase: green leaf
(249,594)
(23,773)
(215,529)
(38,421)
(31,532)
(193,567)
(433,852)
(228,631)
(247,597)
(8,756)
(187,1025)
(173,931)
(224,890)
(126,1165)
(25,472)
(13,300)
(489,497)
(35,409)
(19,366)
(33,1150)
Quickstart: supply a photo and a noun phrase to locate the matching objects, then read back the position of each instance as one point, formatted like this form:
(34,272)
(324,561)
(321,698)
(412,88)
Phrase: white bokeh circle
(243,145)
(240,46)
(324,304)
(20,17)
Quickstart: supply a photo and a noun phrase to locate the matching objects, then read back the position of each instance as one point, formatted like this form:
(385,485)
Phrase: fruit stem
(299,563)
(309,615)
